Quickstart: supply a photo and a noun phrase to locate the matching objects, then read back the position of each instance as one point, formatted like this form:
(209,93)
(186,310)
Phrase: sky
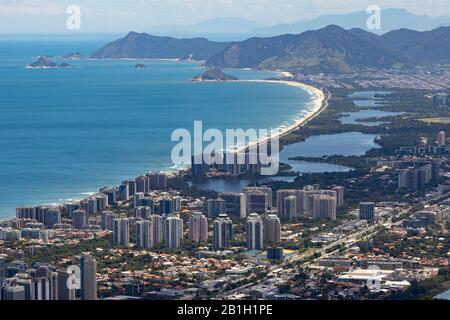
(111,16)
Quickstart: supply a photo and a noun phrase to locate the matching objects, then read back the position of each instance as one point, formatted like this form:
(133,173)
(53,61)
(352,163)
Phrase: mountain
(142,45)
(329,50)
(216,25)
(391,19)
(429,47)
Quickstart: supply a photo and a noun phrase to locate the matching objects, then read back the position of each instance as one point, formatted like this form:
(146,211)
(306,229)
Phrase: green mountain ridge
(331,50)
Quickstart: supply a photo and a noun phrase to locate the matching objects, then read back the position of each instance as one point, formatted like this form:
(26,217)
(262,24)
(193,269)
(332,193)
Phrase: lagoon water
(68,132)
(353,117)
(347,144)
(368,99)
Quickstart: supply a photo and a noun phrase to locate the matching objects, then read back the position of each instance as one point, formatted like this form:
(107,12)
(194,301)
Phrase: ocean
(65,133)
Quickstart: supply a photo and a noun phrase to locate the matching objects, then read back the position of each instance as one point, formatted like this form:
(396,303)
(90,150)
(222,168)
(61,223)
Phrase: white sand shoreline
(319,100)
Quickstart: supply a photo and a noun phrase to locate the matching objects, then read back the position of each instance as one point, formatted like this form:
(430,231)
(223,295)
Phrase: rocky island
(214,74)
(74,56)
(140,66)
(45,63)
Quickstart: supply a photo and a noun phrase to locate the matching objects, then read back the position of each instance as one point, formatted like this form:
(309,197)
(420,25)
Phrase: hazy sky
(139,15)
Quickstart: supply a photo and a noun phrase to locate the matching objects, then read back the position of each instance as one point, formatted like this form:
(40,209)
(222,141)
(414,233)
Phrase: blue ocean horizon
(65,133)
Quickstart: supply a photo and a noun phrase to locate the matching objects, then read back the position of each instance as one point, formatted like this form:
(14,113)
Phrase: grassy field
(437,120)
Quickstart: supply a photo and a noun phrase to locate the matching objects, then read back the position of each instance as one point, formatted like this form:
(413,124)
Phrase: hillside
(214,74)
(331,50)
(142,45)
(429,47)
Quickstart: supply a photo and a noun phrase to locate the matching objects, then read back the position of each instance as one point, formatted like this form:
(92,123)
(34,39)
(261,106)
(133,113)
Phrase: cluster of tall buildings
(145,206)
(18,282)
(290,204)
(107,197)
(154,231)
(258,199)
(169,231)
(310,201)
(226,164)
(156,223)
(418,178)
(47,215)
(145,184)
(232,204)
(441,100)
(259,231)
(239,205)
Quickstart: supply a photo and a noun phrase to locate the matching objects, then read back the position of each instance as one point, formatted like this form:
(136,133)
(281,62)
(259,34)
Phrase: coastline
(318,102)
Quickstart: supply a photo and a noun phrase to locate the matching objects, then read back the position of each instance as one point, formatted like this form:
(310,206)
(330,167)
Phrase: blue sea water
(67,132)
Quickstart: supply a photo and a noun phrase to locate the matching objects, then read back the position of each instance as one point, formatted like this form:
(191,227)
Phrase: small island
(214,74)
(45,63)
(140,66)
(74,56)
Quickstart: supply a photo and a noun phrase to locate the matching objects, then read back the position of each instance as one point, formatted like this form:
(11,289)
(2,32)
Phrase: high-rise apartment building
(235,204)
(198,227)
(223,232)
(254,231)
(367,211)
(122,232)
(272,229)
(325,207)
(88,267)
(173,231)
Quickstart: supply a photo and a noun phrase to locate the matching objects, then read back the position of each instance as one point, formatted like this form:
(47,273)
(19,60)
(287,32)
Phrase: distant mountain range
(226,28)
(216,25)
(391,19)
(328,50)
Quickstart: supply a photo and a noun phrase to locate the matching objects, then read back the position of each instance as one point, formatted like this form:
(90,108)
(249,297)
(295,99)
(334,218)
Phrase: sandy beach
(319,101)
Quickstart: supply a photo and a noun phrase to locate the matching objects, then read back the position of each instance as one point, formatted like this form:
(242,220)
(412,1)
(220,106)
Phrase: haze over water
(68,132)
